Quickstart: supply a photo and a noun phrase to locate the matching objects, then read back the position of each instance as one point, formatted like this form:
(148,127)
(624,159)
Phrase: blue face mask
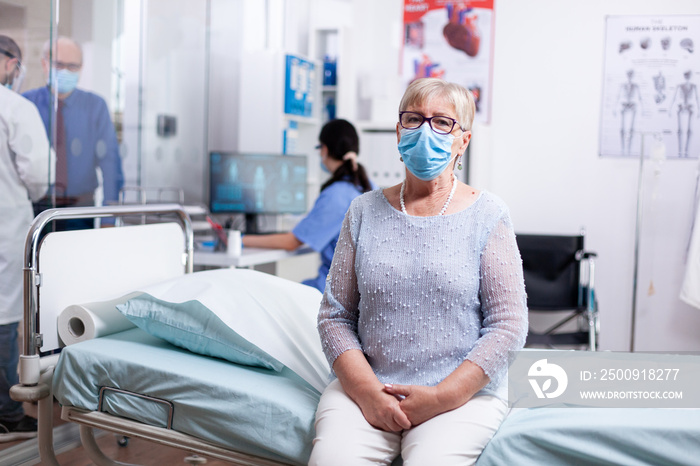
(425,153)
(324,168)
(66,81)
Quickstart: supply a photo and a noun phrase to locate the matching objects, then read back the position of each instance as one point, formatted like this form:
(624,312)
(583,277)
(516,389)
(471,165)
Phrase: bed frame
(136,256)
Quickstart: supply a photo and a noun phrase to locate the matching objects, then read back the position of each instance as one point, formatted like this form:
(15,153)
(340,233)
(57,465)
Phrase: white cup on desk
(234,243)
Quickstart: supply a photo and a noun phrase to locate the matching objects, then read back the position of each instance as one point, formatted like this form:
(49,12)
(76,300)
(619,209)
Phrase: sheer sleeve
(339,313)
(503,301)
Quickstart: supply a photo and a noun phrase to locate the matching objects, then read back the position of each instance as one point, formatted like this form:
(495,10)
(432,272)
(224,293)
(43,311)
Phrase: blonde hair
(425,89)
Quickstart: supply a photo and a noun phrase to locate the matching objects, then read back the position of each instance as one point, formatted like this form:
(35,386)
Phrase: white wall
(94,28)
(174,83)
(226,35)
(542,158)
(131,67)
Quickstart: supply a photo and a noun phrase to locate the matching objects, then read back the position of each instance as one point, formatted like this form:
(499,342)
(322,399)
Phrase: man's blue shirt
(90,142)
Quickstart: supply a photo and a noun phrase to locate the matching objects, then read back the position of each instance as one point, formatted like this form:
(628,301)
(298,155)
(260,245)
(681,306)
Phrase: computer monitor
(255,184)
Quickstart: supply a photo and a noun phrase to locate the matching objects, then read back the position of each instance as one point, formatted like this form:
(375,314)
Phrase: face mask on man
(425,153)
(66,81)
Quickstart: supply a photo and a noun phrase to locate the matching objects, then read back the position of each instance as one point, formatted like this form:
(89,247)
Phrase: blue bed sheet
(250,410)
(596,436)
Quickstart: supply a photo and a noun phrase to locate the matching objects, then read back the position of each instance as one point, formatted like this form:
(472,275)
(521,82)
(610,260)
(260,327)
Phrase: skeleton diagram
(630,101)
(688,104)
(660,86)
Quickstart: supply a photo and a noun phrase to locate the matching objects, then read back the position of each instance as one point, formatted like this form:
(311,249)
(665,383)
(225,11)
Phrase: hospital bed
(140,385)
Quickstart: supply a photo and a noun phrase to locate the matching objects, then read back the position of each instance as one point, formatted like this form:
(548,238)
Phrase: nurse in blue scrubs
(339,146)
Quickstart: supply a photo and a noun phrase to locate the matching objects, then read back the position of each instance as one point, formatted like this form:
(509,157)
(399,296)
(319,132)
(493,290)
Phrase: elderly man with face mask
(24,176)
(85,140)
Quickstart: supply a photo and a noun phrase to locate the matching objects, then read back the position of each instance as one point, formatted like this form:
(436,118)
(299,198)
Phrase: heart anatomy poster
(650,87)
(451,40)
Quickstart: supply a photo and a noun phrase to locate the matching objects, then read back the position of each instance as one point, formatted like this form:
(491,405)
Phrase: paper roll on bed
(80,322)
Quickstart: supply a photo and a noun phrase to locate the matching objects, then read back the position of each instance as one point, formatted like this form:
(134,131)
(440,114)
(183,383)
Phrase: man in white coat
(24,176)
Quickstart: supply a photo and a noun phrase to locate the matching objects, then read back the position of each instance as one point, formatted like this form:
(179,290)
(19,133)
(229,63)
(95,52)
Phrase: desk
(250,257)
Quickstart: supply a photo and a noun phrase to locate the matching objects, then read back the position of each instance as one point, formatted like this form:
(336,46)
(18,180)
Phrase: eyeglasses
(10,55)
(439,124)
(59,65)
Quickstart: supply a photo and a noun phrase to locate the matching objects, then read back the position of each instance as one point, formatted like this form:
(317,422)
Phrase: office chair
(559,279)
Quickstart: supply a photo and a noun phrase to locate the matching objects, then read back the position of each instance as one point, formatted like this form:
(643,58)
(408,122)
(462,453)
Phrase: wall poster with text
(451,40)
(651,76)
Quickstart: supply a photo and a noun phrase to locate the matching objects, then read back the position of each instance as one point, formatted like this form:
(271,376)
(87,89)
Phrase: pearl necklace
(444,207)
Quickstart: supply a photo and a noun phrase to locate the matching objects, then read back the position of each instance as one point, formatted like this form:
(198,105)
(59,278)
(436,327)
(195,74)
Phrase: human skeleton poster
(650,85)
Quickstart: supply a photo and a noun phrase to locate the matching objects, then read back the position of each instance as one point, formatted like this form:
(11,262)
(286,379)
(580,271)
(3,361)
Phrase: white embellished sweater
(419,295)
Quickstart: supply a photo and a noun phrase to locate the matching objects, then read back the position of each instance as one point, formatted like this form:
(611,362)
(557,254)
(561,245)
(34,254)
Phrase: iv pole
(637,227)
(637,235)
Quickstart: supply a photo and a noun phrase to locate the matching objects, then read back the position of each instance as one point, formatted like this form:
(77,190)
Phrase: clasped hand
(400,407)
(419,403)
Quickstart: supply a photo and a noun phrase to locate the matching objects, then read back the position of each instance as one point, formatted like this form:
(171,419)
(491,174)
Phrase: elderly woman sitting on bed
(424,300)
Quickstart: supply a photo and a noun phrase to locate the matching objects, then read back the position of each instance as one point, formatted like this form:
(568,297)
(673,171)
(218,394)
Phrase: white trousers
(457,437)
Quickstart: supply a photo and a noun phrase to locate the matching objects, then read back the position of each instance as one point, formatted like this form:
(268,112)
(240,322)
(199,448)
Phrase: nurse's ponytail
(340,137)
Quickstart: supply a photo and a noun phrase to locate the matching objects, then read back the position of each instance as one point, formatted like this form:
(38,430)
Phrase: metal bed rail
(89,420)
(36,373)
(32,340)
(142,198)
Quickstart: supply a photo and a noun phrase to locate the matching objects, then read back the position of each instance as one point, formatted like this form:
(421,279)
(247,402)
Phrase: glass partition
(174,94)
(26,25)
(122,90)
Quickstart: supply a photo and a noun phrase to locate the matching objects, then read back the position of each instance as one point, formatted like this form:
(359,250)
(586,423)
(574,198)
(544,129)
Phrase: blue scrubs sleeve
(322,224)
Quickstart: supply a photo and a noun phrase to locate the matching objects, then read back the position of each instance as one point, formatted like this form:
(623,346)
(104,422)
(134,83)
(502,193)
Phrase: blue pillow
(192,326)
